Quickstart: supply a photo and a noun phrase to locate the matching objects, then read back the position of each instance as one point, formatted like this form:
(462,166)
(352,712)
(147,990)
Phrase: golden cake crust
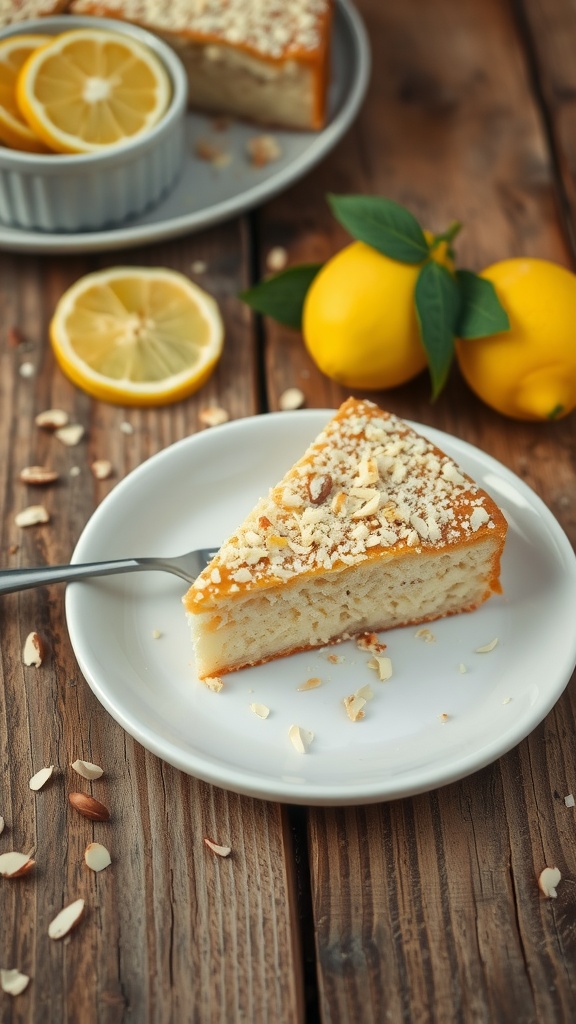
(369,488)
(279,48)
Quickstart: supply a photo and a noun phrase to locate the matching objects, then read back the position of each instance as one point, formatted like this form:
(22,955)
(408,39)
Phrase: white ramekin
(89,192)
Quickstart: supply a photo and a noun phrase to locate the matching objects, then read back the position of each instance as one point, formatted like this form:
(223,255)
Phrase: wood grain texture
(171,932)
(427,909)
(424,910)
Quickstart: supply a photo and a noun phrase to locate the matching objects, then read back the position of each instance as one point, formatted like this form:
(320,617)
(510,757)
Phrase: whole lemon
(359,319)
(528,372)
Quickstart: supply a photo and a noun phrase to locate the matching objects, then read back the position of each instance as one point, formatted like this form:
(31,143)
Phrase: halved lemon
(89,89)
(137,335)
(14,129)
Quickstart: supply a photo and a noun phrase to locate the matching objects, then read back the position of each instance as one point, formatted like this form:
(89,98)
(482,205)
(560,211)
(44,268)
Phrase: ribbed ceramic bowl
(88,192)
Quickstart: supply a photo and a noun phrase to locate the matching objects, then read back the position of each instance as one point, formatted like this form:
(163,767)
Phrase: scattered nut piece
(291,398)
(366,692)
(102,469)
(222,851)
(300,738)
(214,683)
(14,336)
(1,824)
(156,634)
(354,706)
(70,435)
(462,668)
(319,488)
(126,427)
(52,419)
(34,650)
(263,150)
(383,666)
(14,865)
(568,800)
(66,920)
(38,475)
(198,266)
(97,857)
(32,515)
(370,642)
(212,154)
(260,709)
(41,778)
(444,717)
(426,635)
(89,807)
(213,416)
(277,258)
(548,880)
(487,647)
(311,684)
(87,770)
(13,982)
(26,369)
(336,659)
(507,700)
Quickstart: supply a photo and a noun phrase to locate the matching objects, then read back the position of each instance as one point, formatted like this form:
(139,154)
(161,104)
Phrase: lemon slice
(89,89)
(14,130)
(137,335)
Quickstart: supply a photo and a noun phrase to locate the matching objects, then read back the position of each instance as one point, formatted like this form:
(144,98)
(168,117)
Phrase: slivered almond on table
(14,864)
(88,807)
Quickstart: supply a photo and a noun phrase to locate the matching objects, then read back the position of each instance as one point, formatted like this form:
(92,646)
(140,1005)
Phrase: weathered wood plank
(427,910)
(549,32)
(172,932)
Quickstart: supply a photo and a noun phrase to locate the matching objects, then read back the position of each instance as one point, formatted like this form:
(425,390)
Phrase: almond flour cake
(266,60)
(374,527)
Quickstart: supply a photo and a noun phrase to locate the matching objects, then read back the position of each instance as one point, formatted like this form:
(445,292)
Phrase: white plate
(206,195)
(196,492)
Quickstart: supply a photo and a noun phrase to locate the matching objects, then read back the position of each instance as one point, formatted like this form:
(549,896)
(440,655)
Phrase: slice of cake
(265,60)
(14,11)
(374,527)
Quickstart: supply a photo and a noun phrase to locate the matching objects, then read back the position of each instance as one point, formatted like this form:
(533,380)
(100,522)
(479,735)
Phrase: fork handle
(12,580)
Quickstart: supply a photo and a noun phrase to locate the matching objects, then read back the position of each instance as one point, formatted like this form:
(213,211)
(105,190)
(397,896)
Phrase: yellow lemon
(89,89)
(528,372)
(137,335)
(359,319)
(14,129)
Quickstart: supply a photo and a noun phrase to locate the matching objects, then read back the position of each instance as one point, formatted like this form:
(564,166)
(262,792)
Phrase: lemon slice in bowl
(89,89)
(137,335)
(14,129)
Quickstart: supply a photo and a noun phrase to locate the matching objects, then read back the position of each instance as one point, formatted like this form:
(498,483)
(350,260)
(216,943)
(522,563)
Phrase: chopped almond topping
(220,851)
(487,647)
(426,635)
(213,683)
(260,710)
(311,684)
(13,982)
(354,706)
(263,150)
(300,738)
(370,642)
(548,880)
(383,666)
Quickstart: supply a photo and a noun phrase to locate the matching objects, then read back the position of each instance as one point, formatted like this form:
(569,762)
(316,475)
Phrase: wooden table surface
(419,910)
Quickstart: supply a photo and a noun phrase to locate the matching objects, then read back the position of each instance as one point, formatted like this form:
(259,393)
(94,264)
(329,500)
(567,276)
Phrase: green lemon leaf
(481,312)
(282,296)
(437,299)
(383,224)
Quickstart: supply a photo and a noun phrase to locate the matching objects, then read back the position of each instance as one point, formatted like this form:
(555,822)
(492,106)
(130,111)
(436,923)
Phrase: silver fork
(187,566)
